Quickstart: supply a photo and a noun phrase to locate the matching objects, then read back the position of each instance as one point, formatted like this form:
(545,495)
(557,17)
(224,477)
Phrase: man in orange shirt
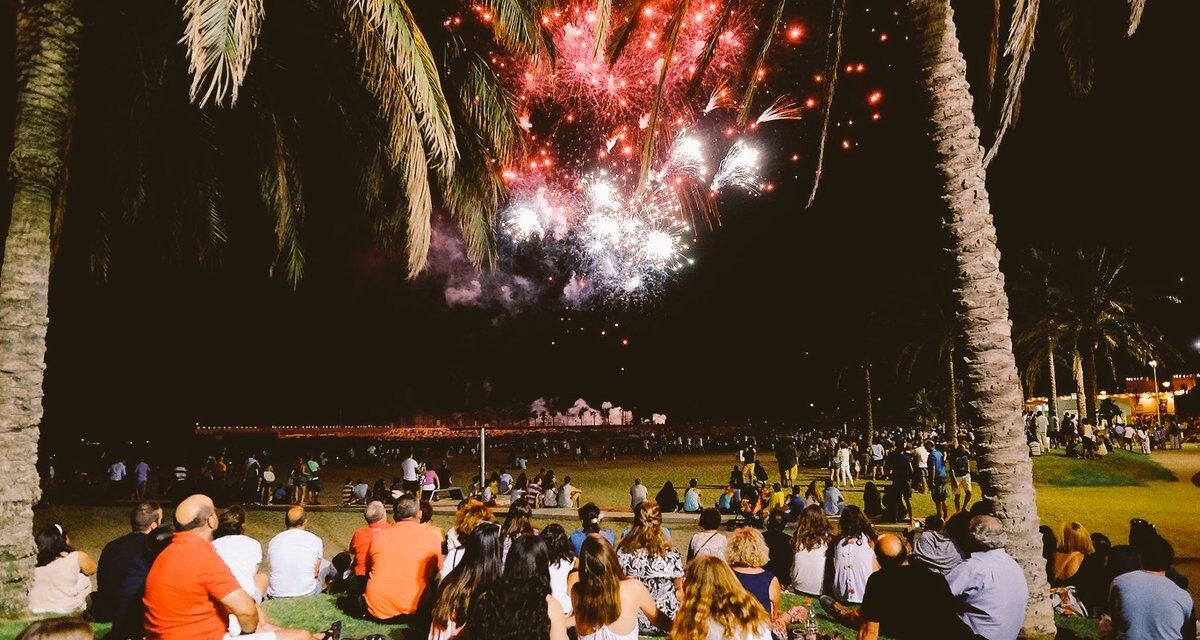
(192,595)
(402,565)
(360,543)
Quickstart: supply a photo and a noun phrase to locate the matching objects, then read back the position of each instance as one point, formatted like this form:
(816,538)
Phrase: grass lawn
(1101,494)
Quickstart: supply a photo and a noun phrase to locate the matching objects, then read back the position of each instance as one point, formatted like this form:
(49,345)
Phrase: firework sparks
(523,223)
(719,98)
(782,109)
(738,169)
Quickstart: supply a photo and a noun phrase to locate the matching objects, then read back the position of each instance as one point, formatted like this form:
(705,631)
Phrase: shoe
(828,604)
(334,632)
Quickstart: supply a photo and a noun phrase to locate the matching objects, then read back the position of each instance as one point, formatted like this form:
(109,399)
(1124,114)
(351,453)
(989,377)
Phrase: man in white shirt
(116,477)
(408,474)
(296,556)
(637,493)
(506,481)
(1041,424)
(921,455)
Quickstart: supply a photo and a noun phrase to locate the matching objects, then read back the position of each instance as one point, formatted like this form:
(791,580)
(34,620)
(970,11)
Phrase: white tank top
(558,584)
(853,563)
(604,633)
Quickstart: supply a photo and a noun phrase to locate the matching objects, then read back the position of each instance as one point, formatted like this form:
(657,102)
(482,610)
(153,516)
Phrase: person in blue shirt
(795,504)
(725,501)
(691,497)
(938,479)
(589,519)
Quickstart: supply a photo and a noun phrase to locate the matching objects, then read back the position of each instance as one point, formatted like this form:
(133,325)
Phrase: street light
(1157,405)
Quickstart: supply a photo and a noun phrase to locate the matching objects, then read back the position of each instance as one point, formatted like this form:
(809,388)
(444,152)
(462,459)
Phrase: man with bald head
(989,585)
(297,559)
(902,600)
(376,516)
(192,595)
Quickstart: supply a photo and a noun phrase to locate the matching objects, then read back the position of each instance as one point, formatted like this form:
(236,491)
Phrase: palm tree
(46,54)
(933,338)
(993,390)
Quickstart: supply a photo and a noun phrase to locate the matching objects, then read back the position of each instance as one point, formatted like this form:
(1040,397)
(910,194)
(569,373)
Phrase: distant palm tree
(924,410)
(932,339)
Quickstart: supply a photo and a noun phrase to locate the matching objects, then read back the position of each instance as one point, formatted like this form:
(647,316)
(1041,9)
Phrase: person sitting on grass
(810,551)
(480,567)
(691,497)
(589,521)
(62,575)
(240,552)
(645,553)
(989,585)
(777,499)
(297,559)
(121,577)
(520,605)
(748,555)
(872,500)
(668,498)
(375,515)
(361,491)
(192,595)
(795,503)
(894,596)
(833,502)
(853,556)
(709,540)
(69,628)
(934,549)
(569,494)
(608,604)
(715,606)
(518,523)
(562,563)
(402,566)
(812,495)
(1074,545)
(347,494)
(727,500)
(1147,604)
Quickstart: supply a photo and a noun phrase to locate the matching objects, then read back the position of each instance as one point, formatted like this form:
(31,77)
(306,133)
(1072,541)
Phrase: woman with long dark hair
(810,546)
(520,606)
(562,562)
(668,498)
(479,568)
(241,553)
(607,603)
(853,556)
(518,523)
(646,553)
(62,575)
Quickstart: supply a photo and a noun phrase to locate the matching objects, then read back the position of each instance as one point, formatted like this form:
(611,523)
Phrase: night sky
(766,322)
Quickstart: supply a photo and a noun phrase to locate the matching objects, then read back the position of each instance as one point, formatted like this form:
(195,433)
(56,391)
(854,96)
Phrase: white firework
(523,223)
(738,169)
(685,159)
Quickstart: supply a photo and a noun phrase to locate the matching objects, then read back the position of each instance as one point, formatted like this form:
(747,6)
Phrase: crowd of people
(1081,437)
(200,576)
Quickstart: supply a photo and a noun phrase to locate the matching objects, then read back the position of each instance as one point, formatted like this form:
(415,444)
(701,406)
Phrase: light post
(1157,406)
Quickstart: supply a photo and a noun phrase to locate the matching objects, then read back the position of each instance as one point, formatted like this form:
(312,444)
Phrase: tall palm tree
(993,390)
(46,54)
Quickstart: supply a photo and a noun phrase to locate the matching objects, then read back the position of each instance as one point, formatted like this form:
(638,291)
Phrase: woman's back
(758,584)
(717,632)
(625,627)
(808,569)
(558,584)
(60,586)
(853,563)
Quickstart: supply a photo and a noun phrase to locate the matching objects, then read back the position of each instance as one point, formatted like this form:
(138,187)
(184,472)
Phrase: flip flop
(334,632)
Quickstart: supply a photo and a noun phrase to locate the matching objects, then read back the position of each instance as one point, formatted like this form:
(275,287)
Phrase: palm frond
(284,199)
(473,197)
(833,60)
(629,23)
(401,44)
(710,47)
(1075,27)
(603,17)
(670,39)
(517,25)
(489,106)
(220,37)
(1136,8)
(762,46)
(405,147)
(1017,48)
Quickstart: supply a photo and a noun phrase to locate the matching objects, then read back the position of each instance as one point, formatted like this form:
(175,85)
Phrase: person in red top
(192,595)
(402,565)
(360,543)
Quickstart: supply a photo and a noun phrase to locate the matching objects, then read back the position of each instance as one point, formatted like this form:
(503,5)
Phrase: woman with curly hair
(520,606)
(853,556)
(518,523)
(608,604)
(748,554)
(479,568)
(646,553)
(810,546)
(471,512)
(716,607)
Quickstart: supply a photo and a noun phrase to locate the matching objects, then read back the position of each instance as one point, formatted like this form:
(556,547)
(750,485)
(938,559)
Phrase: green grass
(1118,469)
(1105,494)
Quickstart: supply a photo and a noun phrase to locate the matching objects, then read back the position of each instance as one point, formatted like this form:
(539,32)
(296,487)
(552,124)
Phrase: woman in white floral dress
(646,553)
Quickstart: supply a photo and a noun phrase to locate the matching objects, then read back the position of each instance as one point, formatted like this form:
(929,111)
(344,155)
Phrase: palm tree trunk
(1089,383)
(47,43)
(993,389)
(952,381)
(1080,390)
(1052,408)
